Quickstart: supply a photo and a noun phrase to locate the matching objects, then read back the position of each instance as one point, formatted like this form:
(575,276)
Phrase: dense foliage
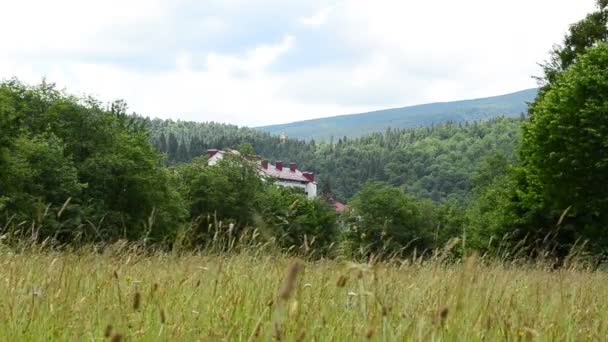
(434,162)
(384,220)
(71,170)
(69,157)
(558,196)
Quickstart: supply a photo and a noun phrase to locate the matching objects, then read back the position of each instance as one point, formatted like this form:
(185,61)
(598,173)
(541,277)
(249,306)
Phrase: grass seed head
(108,331)
(136,301)
(117,338)
(258,329)
(442,315)
(342,281)
(370,333)
(290,281)
(163,317)
(277,332)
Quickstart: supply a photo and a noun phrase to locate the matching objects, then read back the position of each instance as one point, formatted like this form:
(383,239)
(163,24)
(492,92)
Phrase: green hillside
(355,125)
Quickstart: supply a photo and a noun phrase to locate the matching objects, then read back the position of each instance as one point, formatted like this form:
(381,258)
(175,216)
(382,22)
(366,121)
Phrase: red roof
(285,173)
(340,207)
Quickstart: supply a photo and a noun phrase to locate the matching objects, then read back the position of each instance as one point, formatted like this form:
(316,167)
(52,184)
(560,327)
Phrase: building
(217,155)
(290,177)
(285,176)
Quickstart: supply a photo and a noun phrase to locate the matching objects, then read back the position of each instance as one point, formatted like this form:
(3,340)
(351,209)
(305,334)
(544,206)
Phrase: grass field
(122,294)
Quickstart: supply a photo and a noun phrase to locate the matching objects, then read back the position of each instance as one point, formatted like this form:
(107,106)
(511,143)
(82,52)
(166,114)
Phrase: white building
(216,155)
(285,176)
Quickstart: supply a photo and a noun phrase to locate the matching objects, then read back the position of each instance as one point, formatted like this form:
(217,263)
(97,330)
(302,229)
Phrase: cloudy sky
(273,61)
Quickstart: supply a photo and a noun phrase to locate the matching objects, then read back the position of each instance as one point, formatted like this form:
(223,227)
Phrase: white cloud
(318,19)
(254,61)
(390,53)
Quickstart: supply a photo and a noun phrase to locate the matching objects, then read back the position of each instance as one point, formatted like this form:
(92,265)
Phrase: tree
(297,222)
(246,149)
(182,152)
(226,191)
(57,147)
(564,149)
(384,220)
(162,143)
(196,148)
(172,147)
(581,36)
(326,189)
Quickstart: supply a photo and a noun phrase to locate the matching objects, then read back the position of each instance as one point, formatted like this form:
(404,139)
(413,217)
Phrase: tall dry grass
(123,293)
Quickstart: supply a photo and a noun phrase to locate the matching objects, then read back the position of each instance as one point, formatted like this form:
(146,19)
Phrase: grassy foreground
(124,295)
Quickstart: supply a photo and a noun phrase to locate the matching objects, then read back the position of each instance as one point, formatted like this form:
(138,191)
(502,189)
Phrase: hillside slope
(355,125)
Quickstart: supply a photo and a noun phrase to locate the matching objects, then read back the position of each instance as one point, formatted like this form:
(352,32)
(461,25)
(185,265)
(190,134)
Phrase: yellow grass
(248,297)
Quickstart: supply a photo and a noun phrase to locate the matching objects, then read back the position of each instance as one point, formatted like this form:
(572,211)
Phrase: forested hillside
(434,162)
(356,125)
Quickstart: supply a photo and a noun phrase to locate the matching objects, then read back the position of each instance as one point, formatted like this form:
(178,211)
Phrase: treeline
(435,162)
(72,169)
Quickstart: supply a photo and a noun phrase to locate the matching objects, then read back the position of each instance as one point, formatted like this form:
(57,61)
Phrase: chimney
(279,165)
(265,164)
(292,167)
(211,152)
(309,175)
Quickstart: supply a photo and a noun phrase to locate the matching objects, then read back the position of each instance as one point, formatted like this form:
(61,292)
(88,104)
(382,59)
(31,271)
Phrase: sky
(260,62)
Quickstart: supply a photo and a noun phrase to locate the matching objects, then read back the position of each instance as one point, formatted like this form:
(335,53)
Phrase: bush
(295,221)
(385,220)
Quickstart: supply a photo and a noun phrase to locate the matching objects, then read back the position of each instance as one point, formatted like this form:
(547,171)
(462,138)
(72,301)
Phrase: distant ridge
(354,125)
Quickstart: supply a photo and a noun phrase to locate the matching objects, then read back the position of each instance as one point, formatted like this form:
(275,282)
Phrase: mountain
(355,125)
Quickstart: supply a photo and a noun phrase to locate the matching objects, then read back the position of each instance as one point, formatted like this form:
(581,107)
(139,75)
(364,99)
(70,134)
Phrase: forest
(74,170)
(435,162)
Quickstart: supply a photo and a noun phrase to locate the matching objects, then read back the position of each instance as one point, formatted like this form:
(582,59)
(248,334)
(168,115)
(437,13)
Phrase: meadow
(124,293)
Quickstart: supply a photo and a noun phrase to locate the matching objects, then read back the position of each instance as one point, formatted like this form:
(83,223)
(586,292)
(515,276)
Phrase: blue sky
(261,62)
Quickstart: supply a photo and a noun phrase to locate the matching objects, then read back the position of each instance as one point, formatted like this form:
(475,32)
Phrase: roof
(339,207)
(285,173)
(218,155)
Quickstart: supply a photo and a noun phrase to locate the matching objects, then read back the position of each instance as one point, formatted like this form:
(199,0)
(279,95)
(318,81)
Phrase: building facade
(288,176)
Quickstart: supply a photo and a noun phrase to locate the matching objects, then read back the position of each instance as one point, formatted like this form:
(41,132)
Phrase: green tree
(226,191)
(162,143)
(295,221)
(172,147)
(246,149)
(564,150)
(57,147)
(182,152)
(384,220)
(581,36)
